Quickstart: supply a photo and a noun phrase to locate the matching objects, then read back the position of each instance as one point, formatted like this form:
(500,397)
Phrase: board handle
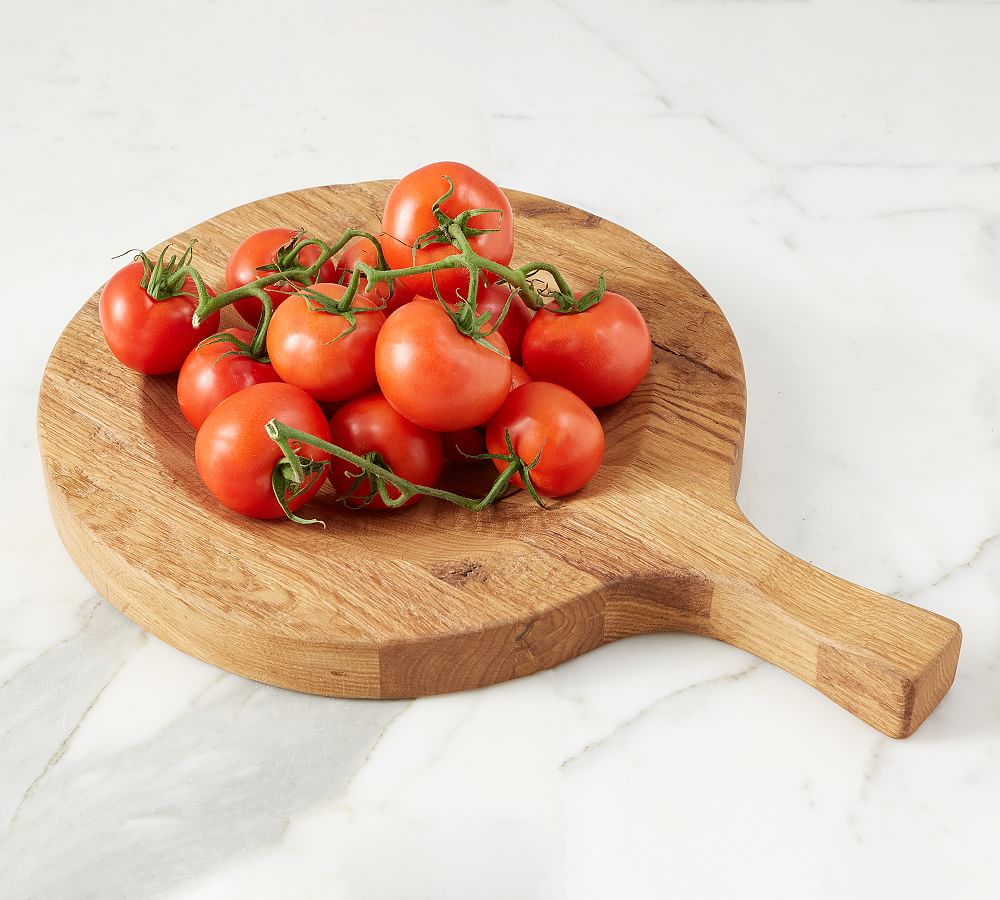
(884,660)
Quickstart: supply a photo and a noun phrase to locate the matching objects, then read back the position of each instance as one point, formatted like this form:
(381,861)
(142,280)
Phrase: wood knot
(461,572)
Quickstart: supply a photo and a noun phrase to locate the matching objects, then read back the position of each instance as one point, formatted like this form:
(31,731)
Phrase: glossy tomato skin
(408,215)
(151,336)
(461,446)
(600,354)
(548,418)
(369,424)
(235,457)
(362,249)
(310,348)
(212,372)
(259,250)
(436,377)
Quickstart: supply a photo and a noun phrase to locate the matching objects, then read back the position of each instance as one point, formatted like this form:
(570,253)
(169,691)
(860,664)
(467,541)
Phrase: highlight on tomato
(145,311)
(369,425)
(324,347)
(551,424)
(263,253)
(217,368)
(238,462)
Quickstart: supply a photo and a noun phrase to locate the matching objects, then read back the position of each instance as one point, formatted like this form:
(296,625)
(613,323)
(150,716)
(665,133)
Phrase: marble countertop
(829,170)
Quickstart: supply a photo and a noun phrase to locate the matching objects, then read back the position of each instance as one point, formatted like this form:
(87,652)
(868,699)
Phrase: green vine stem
(294,473)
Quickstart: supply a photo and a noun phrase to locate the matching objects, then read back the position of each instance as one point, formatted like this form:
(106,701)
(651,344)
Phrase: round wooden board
(435,598)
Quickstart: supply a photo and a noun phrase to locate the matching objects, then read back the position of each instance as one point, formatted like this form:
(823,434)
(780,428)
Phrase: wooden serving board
(434,598)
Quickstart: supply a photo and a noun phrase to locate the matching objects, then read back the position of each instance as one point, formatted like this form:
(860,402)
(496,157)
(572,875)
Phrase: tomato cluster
(411,348)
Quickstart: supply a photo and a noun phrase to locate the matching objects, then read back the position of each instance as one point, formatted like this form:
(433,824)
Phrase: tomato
(600,354)
(492,299)
(259,250)
(548,418)
(408,215)
(150,336)
(459,446)
(434,375)
(235,457)
(311,348)
(213,371)
(369,424)
(518,376)
(361,248)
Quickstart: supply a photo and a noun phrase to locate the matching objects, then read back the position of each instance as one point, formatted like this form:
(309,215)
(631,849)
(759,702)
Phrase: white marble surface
(829,170)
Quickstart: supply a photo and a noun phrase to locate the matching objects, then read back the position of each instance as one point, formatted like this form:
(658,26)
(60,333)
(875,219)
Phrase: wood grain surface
(434,598)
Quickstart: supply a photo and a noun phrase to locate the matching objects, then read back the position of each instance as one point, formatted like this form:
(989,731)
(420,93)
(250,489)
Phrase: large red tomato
(408,215)
(434,375)
(236,458)
(260,249)
(312,348)
(600,354)
(546,418)
(150,336)
(213,371)
(369,424)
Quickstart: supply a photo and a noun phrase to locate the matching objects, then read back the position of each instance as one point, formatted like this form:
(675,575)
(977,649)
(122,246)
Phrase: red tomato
(361,248)
(492,299)
(434,375)
(459,446)
(150,336)
(548,418)
(235,457)
(259,250)
(213,371)
(600,354)
(369,424)
(518,376)
(310,348)
(408,215)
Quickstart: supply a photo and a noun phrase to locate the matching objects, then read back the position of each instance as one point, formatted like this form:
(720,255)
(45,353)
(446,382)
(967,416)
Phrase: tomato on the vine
(369,424)
(261,249)
(214,370)
(547,419)
(236,458)
(318,350)
(492,299)
(436,376)
(149,335)
(361,249)
(600,354)
(408,215)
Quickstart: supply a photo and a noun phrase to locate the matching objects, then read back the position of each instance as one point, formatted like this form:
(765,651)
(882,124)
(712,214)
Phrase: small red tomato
(547,418)
(518,376)
(150,336)
(492,299)
(260,249)
(436,376)
(213,371)
(370,425)
(361,248)
(317,351)
(460,446)
(236,458)
(600,354)
(408,215)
